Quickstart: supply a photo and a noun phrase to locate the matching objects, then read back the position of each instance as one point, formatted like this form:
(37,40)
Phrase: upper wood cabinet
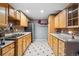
(9,14)
(12,13)
(3,14)
(51,23)
(23,21)
(62,19)
(57,21)
(18,16)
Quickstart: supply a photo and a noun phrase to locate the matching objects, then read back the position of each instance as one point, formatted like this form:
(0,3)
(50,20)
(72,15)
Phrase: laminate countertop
(65,37)
(6,43)
(8,36)
(11,40)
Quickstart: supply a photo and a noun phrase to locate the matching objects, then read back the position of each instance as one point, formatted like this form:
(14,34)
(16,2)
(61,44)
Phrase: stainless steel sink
(14,36)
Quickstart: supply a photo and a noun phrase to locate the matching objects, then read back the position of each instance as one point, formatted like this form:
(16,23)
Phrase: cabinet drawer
(9,53)
(7,48)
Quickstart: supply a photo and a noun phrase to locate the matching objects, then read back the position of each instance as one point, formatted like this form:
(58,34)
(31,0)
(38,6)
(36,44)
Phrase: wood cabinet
(50,40)
(57,21)
(9,53)
(3,14)
(61,48)
(24,20)
(19,47)
(21,44)
(12,13)
(9,15)
(7,50)
(63,19)
(64,48)
(29,39)
(51,24)
(73,15)
(51,28)
(55,45)
(24,43)
(18,16)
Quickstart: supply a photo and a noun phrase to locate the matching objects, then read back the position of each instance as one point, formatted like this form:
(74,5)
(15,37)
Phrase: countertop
(65,37)
(25,33)
(6,43)
(11,40)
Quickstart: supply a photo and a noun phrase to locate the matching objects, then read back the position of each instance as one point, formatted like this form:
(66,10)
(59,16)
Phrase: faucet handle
(73,35)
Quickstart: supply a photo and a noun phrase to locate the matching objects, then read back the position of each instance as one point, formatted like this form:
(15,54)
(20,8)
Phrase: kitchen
(55,33)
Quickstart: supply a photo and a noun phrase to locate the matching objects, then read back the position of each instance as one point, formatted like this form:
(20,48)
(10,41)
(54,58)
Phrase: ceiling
(34,9)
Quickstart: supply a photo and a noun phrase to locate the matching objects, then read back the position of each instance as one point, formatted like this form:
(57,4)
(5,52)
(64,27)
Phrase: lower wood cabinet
(64,48)
(50,40)
(29,39)
(9,53)
(22,44)
(7,50)
(61,48)
(55,45)
(18,47)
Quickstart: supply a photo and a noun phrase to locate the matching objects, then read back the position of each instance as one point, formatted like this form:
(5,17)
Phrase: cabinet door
(50,40)
(2,16)
(29,37)
(24,22)
(24,44)
(57,21)
(61,48)
(18,15)
(51,24)
(55,45)
(62,19)
(11,12)
(19,48)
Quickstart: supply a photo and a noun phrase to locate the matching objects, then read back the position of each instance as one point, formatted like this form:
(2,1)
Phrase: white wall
(41,32)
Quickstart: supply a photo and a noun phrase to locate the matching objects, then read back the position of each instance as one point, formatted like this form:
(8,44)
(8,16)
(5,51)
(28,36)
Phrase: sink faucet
(72,33)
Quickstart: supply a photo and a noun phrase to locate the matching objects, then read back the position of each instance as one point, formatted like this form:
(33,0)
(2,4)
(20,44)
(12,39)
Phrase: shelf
(73,18)
(73,10)
(73,27)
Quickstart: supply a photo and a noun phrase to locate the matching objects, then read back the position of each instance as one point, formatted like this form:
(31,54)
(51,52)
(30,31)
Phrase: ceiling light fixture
(27,11)
(42,11)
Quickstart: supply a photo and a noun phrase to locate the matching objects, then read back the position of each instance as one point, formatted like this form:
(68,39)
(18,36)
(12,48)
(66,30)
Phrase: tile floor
(39,48)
